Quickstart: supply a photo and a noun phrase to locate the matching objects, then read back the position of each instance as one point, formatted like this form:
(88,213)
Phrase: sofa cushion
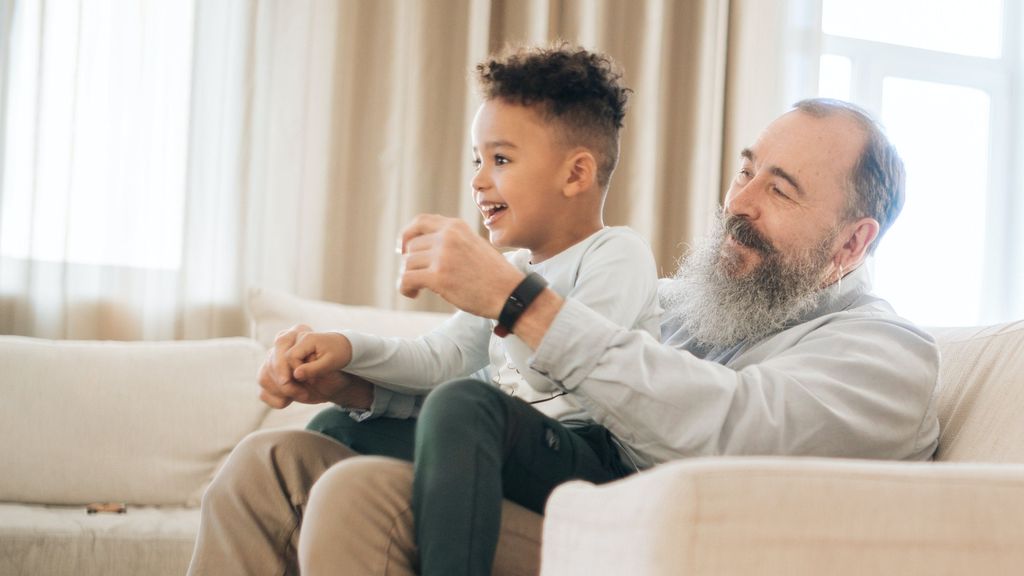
(271,312)
(136,422)
(981,393)
(64,541)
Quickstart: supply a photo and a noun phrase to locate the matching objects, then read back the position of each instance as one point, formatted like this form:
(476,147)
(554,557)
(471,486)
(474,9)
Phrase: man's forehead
(804,144)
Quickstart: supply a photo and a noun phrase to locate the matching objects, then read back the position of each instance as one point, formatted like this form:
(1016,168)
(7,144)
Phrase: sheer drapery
(158,158)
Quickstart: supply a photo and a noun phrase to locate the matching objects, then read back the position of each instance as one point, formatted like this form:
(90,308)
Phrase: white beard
(720,310)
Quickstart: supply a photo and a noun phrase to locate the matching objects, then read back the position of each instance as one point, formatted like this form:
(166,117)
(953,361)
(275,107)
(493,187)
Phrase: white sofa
(141,423)
(148,424)
(962,514)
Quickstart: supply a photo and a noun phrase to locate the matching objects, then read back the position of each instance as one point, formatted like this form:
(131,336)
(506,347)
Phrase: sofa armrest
(790,516)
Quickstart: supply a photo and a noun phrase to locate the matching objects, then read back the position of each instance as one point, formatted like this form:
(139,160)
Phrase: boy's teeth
(490,209)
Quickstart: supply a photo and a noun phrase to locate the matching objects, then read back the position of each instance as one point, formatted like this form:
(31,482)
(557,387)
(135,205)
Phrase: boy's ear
(582,173)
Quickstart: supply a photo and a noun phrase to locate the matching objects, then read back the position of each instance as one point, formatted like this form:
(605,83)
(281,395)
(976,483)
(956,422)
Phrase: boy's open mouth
(491,210)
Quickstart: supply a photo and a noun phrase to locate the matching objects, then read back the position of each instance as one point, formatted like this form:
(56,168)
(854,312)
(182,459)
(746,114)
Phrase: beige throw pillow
(135,422)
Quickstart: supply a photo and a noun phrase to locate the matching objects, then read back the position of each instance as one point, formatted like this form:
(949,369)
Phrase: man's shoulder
(869,327)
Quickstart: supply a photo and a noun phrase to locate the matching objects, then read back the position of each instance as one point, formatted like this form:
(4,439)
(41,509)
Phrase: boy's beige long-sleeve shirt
(612,272)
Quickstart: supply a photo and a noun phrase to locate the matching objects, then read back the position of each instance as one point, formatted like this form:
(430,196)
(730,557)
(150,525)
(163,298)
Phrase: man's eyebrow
(775,170)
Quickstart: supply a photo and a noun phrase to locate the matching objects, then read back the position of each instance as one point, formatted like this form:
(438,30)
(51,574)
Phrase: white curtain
(160,157)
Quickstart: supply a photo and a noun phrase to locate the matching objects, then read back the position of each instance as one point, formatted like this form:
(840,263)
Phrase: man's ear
(582,170)
(859,234)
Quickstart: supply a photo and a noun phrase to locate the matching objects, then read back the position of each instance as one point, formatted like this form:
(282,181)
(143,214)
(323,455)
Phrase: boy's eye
(476,163)
(500,160)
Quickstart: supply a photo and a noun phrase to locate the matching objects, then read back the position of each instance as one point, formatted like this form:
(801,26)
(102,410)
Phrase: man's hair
(578,91)
(878,179)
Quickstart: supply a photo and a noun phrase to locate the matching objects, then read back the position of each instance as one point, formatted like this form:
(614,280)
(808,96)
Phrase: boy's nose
(479,180)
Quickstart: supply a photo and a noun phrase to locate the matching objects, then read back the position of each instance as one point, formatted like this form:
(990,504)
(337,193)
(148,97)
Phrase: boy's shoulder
(620,239)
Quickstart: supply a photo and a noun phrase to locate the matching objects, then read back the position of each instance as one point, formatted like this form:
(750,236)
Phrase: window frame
(1002,79)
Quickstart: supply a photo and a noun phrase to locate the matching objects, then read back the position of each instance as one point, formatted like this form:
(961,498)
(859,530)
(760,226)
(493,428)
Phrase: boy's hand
(315,354)
(305,366)
(445,256)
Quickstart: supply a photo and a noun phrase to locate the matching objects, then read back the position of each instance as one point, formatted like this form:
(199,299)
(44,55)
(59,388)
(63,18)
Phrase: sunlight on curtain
(160,157)
(94,170)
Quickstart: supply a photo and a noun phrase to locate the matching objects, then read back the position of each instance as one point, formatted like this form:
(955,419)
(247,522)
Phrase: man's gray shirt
(850,379)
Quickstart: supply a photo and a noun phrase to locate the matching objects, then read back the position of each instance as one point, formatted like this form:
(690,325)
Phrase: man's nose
(743,201)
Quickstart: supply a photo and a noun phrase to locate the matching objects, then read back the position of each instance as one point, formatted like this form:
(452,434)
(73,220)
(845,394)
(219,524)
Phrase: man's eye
(743,175)
(778,191)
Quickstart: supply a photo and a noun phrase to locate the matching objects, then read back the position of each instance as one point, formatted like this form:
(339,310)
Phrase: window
(96,132)
(944,77)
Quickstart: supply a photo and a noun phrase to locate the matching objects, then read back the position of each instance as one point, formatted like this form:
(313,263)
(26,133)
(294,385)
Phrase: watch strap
(518,301)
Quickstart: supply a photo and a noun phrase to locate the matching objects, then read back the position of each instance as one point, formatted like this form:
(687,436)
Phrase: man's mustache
(744,232)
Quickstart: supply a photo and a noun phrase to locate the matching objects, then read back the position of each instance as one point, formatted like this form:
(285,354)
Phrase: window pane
(971,28)
(100,105)
(834,77)
(942,132)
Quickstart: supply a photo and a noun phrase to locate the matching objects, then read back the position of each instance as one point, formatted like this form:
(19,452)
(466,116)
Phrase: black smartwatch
(518,301)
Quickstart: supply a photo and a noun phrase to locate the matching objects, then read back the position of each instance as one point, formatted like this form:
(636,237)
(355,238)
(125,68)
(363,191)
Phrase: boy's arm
(445,256)
(415,365)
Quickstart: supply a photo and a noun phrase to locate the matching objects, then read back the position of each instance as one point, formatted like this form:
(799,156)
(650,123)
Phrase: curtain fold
(308,134)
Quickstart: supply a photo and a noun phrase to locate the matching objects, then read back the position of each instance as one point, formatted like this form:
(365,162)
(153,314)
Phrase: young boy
(545,144)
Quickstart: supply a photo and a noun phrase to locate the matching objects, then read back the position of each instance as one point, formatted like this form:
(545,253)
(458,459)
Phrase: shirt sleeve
(389,404)
(415,365)
(856,387)
(618,279)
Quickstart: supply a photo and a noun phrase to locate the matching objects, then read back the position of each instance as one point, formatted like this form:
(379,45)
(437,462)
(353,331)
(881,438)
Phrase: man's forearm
(535,321)
(356,395)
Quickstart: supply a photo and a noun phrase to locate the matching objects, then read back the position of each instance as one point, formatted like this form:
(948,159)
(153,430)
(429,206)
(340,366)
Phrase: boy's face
(519,171)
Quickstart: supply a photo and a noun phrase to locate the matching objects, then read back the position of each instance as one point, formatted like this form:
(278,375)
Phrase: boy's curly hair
(578,91)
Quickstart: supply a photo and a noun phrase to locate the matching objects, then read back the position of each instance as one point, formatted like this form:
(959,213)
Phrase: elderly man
(771,343)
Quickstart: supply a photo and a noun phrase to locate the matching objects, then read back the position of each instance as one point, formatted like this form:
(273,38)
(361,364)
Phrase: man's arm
(445,256)
(861,386)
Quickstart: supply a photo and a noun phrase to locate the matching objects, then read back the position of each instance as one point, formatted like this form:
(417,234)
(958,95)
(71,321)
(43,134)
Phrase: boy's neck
(564,241)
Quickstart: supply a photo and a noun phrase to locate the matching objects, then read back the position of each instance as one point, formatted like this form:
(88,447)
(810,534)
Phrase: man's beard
(721,310)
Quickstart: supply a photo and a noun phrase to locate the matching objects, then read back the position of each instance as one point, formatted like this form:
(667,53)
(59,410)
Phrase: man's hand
(445,256)
(305,366)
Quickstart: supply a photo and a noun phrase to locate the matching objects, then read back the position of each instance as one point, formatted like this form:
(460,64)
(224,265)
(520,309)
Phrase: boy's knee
(460,407)
(459,395)
(330,419)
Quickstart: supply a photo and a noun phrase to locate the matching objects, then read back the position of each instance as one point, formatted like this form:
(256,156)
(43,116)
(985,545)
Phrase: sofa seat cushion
(135,422)
(65,541)
(981,393)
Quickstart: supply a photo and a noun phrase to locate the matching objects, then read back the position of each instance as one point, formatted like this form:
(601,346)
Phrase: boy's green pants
(472,446)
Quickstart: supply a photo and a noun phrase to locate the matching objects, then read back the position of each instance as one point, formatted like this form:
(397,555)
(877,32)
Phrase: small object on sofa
(107,508)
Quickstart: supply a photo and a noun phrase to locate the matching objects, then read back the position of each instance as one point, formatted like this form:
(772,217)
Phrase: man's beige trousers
(354,513)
